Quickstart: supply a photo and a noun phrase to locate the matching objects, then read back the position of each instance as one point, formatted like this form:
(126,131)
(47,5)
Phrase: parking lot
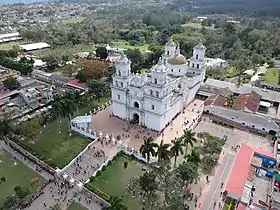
(235,136)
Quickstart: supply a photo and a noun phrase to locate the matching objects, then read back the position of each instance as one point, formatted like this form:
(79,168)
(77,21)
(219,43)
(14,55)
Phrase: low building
(10,37)
(34,46)
(249,178)
(248,102)
(77,85)
(41,75)
(59,79)
(242,120)
(216,63)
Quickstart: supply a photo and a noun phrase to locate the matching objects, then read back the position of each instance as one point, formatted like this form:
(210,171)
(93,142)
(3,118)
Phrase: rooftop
(269,95)
(245,118)
(77,84)
(216,100)
(248,100)
(34,46)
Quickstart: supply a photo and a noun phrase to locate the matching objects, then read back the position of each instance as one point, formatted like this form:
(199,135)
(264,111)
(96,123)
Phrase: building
(77,85)
(155,99)
(34,46)
(249,179)
(248,102)
(216,63)
(10,37)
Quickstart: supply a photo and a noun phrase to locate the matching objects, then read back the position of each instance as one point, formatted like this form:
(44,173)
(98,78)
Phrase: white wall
(178,70)
(119,110)
(153,121)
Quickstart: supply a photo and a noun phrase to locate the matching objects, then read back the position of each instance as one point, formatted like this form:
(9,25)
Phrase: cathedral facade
(154,99)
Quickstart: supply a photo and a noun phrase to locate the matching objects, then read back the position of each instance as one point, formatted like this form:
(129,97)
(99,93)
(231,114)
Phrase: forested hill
(257,7)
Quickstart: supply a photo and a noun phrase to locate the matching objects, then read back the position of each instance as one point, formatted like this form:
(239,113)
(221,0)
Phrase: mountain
(20,1)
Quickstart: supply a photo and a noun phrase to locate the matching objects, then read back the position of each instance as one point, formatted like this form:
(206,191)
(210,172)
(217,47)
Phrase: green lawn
(16,175)
(192,25)
(9,45)
(73,20)
(60,147)
(271,76)
(76,206)
(125,45)
(115,178)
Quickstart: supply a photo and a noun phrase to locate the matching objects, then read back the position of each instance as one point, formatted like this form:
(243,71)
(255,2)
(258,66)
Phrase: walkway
(53,193)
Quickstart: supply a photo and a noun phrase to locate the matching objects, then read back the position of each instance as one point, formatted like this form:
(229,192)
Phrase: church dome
(178,59)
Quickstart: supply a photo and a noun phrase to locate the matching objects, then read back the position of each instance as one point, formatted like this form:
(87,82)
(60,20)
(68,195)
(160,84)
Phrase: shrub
(3,179)
(121,153)
(125,164)
(103,168)
(92,178)
(49,162)
(101,194)
(98,173)
(109,163)
(114,158)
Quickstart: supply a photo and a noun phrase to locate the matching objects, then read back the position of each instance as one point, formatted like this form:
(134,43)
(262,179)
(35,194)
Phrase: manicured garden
(16,174)
(55,146)
(76,206)
(271,76)
(115,178)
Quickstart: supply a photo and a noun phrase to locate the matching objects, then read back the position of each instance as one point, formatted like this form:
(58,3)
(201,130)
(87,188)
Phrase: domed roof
(178,59)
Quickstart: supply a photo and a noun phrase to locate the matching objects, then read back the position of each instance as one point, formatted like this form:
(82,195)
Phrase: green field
(16,175)
(271,76)
(73,20)
(192,25)
(60,147)
(114,180)
(76,206)
(10,45)
(65,50)
(125,45)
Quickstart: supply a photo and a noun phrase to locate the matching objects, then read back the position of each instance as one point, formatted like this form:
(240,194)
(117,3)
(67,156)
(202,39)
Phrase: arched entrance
(136,105)
(135,119)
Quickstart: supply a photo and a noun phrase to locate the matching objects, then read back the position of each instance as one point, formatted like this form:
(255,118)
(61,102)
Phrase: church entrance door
(135,119)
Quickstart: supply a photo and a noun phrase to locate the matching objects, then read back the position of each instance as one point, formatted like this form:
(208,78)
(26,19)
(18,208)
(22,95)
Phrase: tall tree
(149,185)
(194,157)
(148,148)
(101,52)
(188,138)
(11,83)
(176,149)
(163,153)
(5,128)
(188,172)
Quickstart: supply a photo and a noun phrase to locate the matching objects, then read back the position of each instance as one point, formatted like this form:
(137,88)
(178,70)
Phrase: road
(212,191)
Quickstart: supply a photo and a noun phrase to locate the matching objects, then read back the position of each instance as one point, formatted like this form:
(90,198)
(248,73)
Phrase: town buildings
(155,99)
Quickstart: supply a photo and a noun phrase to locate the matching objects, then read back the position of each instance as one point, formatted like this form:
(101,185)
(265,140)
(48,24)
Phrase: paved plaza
(132,136)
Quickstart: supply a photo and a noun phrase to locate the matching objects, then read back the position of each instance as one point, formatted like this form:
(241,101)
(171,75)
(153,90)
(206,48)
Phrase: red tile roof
(242,169)
(249,100)
(75,83)
(216,100)
(239,171)
(241,206)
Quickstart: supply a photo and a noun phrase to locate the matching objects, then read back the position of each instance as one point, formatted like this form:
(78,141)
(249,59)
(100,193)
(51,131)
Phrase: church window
(171,70)
(197,66)
(119,97)
(167,52)
(179,70)
(153,107)
(155,80)
(151,92)
(196,56)
(121,84)
(157,94)
(136,105)
(119,73)
(193,65)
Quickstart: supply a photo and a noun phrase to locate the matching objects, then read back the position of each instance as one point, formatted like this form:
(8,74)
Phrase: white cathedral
(154,99)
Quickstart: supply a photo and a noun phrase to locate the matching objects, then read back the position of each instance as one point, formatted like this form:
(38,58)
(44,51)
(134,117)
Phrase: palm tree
(162,152)
(148,148)
(176,149)
(194,157)
(188,139)
(115,204)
